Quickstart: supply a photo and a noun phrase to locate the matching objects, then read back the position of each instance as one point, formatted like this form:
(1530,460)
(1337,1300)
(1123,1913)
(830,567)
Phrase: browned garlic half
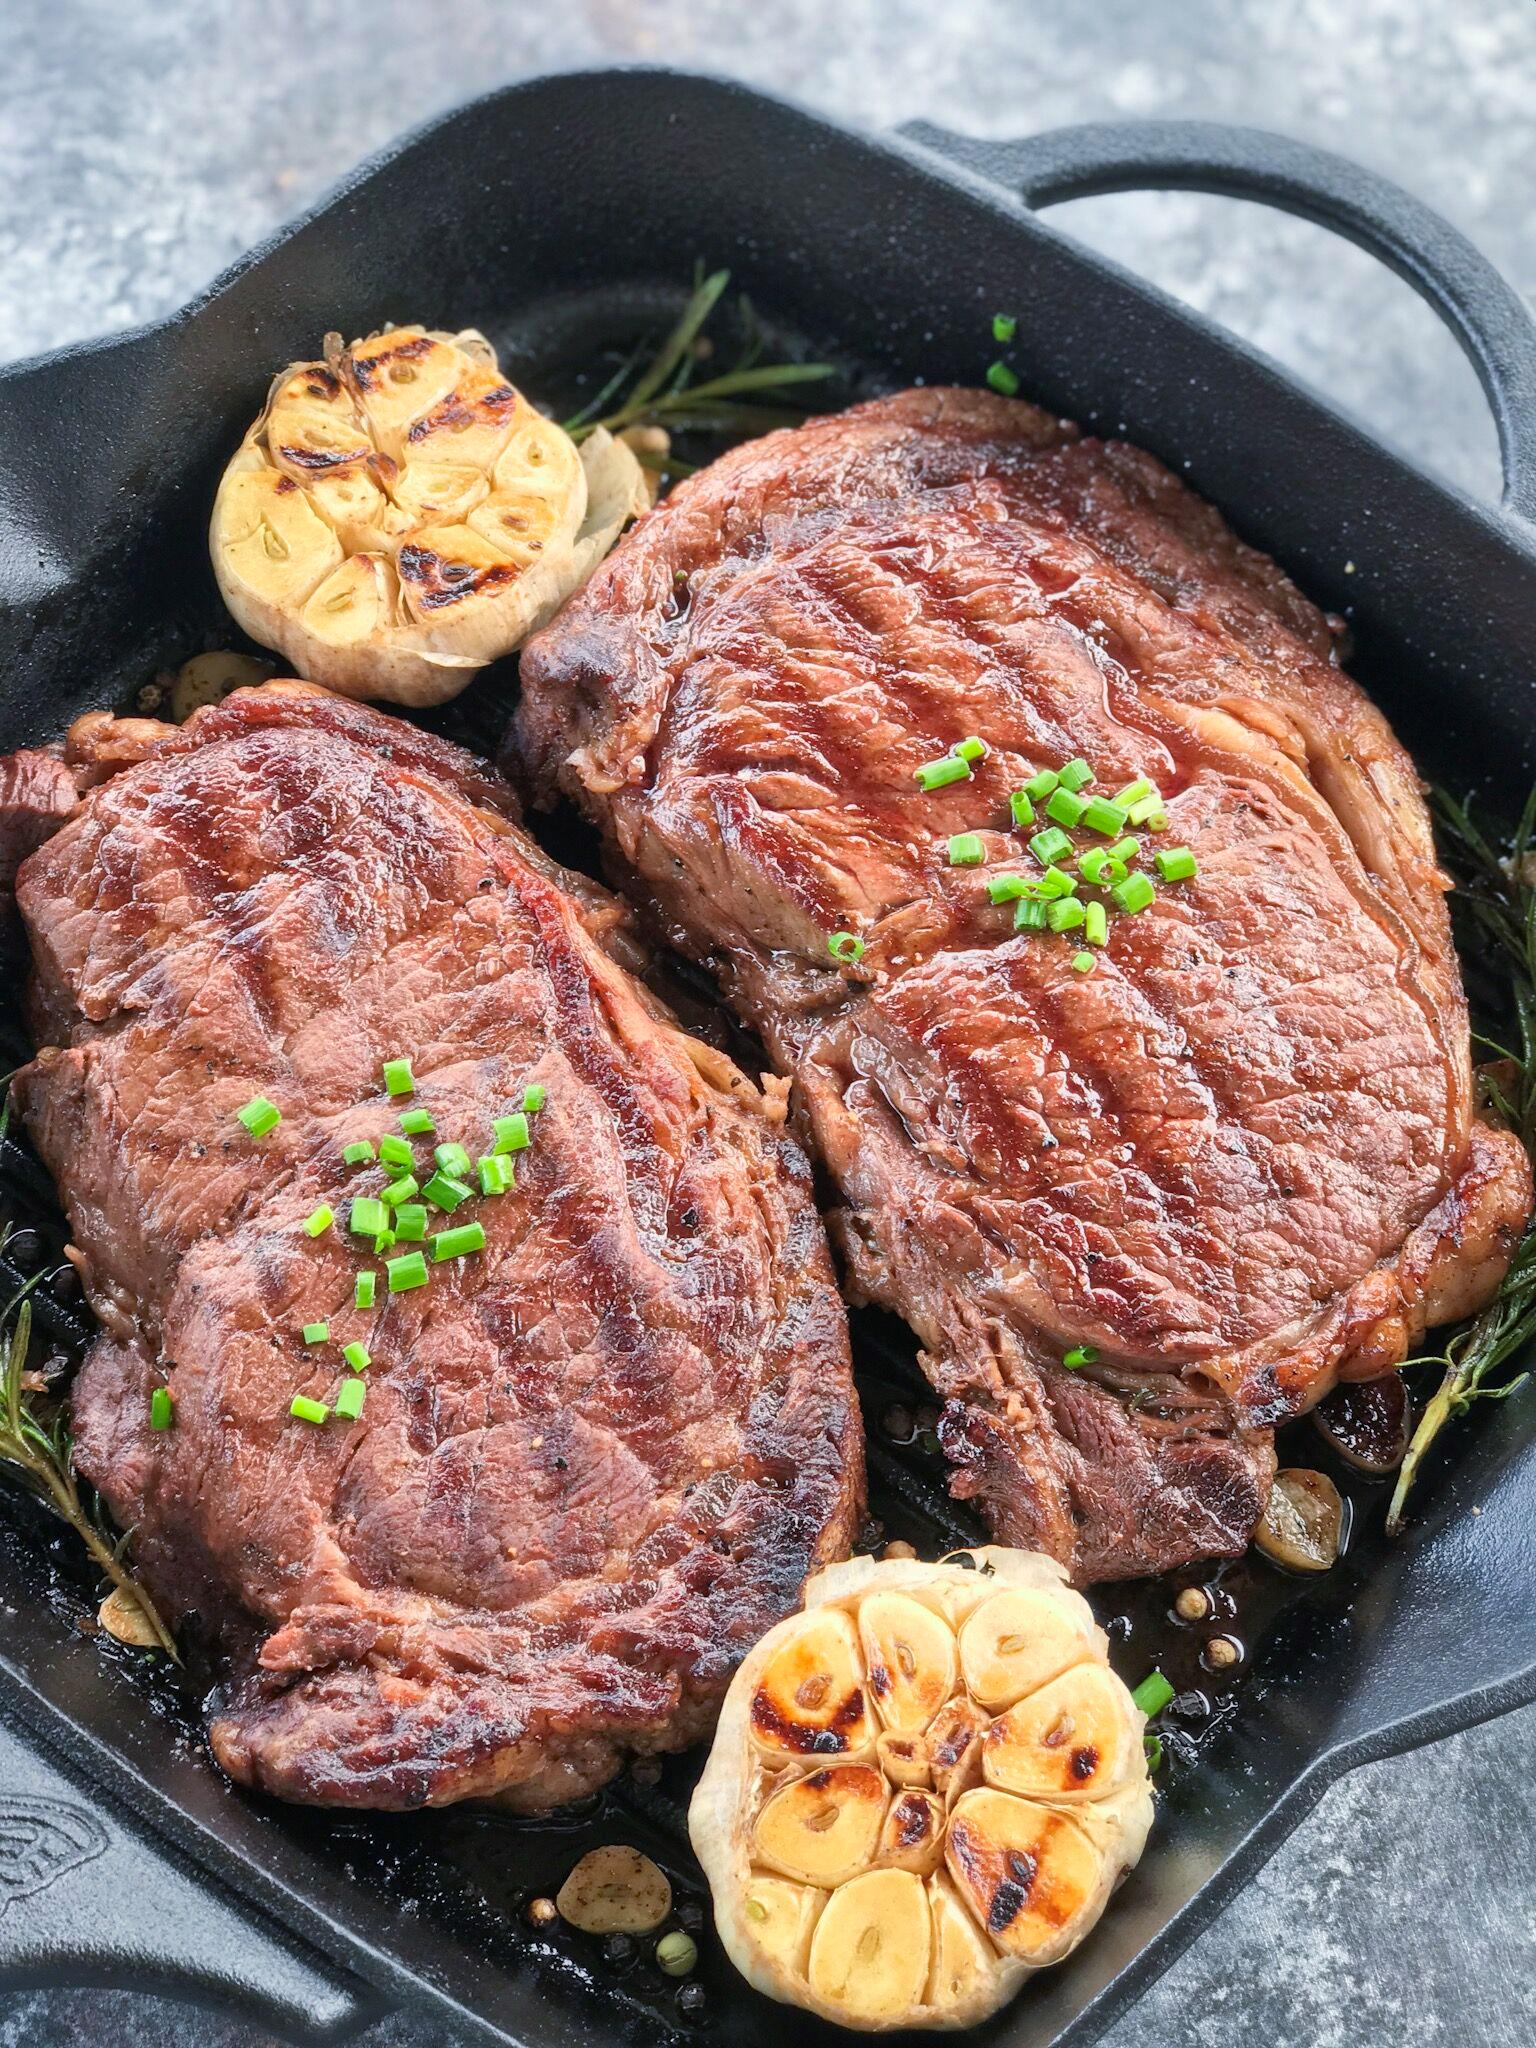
(399,515)
(923,1788)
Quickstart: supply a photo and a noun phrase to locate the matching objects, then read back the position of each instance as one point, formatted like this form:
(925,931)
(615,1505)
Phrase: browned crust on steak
(1242,1155)
(597,1460)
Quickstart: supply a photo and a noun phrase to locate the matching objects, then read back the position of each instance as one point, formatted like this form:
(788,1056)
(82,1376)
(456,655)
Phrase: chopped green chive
(357,1154)
(356,1356)
(1056,882)
(396,1152)
(350,1396)
(1134,893)
(161,1408)
(411,1223)
(535,1095)
(406,1272)
(496,1173)
(1125,849)
(260,1116)
(966,850)
(1100,815)
(1029,917)
(938,774)
(1148,811)
(398,1078)
(1004,326)
(307,1410)
(453,1159)
(1176,864)
(972,748)
(362,1293)
(1082,963)
(1153,1694)
(319,1219)
(417,1123)
(1133,792)
(1082,1354)
(1002,380)
(1115,872)
(1040,786)
(1093,864)
(316,1333)
(444,1192)
(1066,807)
(1050,846)
(512,1131)
(400,1190)
(1007,888)
(384,1242)
(367,1216)
(845,948)
(1076,775)
(1065,915)
(453,1244)
(1021,807)
(1096,925)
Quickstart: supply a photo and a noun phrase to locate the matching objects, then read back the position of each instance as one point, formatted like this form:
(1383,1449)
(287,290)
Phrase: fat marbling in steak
(597,1459)
(1241,1158)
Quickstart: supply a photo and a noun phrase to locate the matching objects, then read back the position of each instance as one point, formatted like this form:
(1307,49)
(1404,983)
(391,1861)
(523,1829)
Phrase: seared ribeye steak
(1239,1158)
(597,1458)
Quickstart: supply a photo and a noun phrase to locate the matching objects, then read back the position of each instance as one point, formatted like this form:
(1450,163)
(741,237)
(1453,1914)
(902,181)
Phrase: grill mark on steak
(1239,1153)
(598,1459)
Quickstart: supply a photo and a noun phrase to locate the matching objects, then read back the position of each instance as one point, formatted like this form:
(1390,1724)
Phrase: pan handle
(88,1896)
(1488,318)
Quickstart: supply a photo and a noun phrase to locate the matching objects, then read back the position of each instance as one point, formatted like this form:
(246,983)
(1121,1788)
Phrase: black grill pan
(563,217)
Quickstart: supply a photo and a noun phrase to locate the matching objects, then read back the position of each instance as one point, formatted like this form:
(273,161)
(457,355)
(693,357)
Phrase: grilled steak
(1238,1160)
(598,1458)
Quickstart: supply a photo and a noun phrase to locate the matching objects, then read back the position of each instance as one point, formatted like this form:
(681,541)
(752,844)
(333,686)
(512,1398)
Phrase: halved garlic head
(923,1787)
(399,515)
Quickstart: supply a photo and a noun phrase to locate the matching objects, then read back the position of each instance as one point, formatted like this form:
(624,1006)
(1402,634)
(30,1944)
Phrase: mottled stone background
(144,143)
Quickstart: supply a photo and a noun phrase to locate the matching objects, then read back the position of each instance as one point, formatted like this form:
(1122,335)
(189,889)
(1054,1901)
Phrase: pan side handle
(88,1897)
(1488,317)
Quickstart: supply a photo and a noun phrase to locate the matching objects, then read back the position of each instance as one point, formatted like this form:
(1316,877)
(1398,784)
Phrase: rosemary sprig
(664,393)
(38,1454)
(1497,896)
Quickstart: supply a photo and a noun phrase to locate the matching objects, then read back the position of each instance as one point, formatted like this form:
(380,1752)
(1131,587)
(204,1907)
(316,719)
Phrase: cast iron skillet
(560,216)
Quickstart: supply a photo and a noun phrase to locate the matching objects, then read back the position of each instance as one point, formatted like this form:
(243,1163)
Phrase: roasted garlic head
(399,515)
(923,1788)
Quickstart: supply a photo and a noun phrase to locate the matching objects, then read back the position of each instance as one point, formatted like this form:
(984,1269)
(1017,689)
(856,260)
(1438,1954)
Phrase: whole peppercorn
(677,1953)
(690,1999)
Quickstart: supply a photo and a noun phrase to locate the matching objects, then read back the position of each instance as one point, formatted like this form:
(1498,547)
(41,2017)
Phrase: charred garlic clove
(912,1837)
(1075,1738)
(399,515)
(1031,1877)
(823,1828)
(809,1699)
(909,1653)
(922,1788)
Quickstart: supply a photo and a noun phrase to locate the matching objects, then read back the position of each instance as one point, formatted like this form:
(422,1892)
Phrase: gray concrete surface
(143,143)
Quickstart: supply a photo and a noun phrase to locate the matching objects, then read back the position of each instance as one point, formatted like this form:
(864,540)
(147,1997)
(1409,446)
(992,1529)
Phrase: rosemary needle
(1496,896)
